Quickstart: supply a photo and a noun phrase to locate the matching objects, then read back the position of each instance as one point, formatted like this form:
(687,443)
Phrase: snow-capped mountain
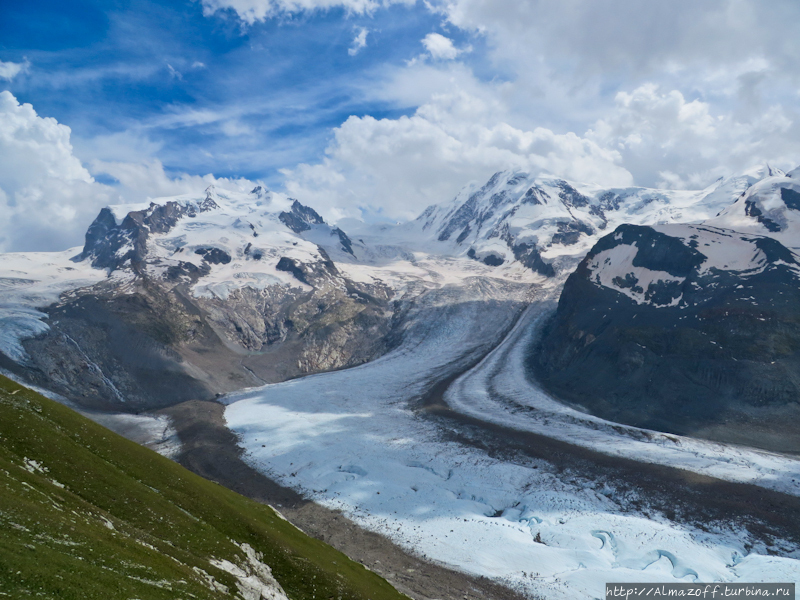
(770,207)
(762,222)
(545,222)
(227,239)
(195,295)
(220,289)
(689,328)
(189,296)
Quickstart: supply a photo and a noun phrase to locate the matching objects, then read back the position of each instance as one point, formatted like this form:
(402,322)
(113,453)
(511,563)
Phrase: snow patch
(614,269)
(254,578)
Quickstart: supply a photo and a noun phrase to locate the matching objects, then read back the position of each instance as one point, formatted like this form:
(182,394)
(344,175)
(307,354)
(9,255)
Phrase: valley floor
(493,478)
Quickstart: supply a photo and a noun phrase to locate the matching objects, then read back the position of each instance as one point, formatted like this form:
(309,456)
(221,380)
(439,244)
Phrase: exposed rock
(215,256)
(346,242)
(293,266)
(111,246)
(678,340)
(300,218)
(528,255)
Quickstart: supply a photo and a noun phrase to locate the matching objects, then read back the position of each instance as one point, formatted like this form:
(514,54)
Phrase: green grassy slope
(86,514)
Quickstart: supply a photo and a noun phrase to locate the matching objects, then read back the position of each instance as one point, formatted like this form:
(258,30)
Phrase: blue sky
(374,109)
(214,94)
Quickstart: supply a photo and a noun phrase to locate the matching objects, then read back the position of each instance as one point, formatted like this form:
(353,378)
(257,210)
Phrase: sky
(375,109)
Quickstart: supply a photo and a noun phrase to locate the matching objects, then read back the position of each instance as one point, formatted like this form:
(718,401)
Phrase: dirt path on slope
(211,450)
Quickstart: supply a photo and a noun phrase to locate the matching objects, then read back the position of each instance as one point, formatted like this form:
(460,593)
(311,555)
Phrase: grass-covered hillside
(85,513)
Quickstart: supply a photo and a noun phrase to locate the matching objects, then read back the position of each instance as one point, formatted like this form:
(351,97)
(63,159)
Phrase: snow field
(352,441)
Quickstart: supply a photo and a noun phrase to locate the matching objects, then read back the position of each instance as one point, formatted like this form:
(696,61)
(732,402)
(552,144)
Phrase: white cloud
(678,91)
(665,138)
(396,167)
(440,47)
(727,68)
(606,35)
(174,73)
(359,42)
(252,11)
(47,197)
(9,70)
(145,180)
(198,65)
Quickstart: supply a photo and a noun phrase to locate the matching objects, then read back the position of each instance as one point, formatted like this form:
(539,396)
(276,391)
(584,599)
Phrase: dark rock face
(215,256)
(464,234)
(300,218)
(493,260)
(293,266)
(110,245)
(570,196)
(790,198)
(344,240)
(535,195)
(751,210)
(186,270)
(529,256)
(715,353)
(569,233)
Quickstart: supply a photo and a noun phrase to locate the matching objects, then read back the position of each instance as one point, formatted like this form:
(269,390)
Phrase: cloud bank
(46,194)
(397,167)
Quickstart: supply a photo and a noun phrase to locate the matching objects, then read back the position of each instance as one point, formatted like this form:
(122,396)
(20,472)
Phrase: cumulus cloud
(359,41)
(675,142)
(678,91)
(396,167)
(440,47)
(704,85)
(47,197)
(9,70)
(252,11)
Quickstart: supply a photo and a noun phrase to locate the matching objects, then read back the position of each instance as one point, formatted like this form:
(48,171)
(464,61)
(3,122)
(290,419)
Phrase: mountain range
(193,296)
(677,312)
(691,329)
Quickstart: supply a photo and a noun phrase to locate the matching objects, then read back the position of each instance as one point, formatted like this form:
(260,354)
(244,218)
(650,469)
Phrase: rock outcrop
(685,329)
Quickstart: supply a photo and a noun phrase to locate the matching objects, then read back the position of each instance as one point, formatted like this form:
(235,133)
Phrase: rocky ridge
(690,329)
(547,224)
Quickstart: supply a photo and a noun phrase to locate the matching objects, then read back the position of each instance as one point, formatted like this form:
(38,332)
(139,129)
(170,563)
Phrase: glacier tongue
(18,323)
(352,440)
(30,281)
